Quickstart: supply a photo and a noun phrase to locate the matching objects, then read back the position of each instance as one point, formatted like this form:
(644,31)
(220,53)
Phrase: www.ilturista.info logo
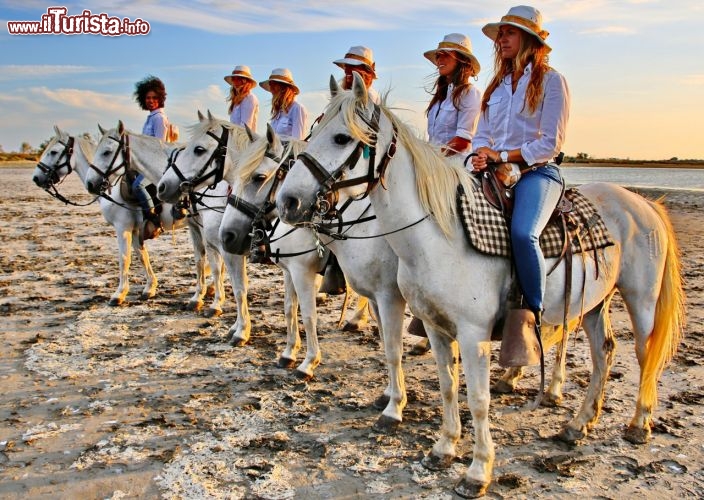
(56,21)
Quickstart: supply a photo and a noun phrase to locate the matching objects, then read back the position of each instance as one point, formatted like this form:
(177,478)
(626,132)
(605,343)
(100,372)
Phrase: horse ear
(358,87)
(101,129)
(250,134)
(120,127)
(270,134)
(210,116)
(200,116)
(334,86)
(57,131)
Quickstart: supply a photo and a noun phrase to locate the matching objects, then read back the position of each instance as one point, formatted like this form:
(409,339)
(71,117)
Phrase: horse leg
(304,284)
(476,357)
(446,357)
(390,313)
(602,345)
(361,316)
(124,243)
(553,394)
(218,268)
(149,290)
(508,381)
(240,332)
(293,339)
(196,301)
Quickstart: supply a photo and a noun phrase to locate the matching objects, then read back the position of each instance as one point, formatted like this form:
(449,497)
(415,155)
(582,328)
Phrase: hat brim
(430,55)
(229,78)
(492,31)
(353,62)
(265,84)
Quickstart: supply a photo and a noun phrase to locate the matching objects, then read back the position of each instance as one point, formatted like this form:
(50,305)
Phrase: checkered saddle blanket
(486,230)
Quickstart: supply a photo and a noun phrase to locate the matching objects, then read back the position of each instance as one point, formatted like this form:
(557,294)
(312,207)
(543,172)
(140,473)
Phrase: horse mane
(253,155)
(437,176)
(240,139)
(87,146)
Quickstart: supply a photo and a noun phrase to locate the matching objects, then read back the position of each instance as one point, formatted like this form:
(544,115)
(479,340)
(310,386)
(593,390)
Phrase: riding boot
(416,327)
(334,282)
(520,344)
(151,228)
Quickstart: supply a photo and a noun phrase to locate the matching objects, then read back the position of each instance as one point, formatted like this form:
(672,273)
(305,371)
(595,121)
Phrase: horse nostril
(161,188)
(291,203)
(36,180)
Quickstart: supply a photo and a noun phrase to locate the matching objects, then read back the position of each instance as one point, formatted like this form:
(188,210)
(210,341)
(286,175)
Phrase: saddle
(128,194)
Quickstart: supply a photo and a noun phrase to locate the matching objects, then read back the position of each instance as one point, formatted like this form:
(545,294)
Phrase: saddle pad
(485,226)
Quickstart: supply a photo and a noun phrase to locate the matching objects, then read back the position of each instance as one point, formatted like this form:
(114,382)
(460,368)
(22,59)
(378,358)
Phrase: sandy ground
(148,400)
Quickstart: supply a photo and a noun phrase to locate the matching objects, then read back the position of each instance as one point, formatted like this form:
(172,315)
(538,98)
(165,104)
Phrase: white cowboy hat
(242,72)
(358,56)
(455,42)
(523,17)
(281,75)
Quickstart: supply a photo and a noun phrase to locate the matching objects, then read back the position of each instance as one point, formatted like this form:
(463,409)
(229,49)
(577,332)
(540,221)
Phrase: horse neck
(79,161)
(147,156)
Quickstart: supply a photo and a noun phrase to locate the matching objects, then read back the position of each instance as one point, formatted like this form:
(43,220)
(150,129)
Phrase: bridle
(123,146)
(330,184)
(51,171)
(217,157)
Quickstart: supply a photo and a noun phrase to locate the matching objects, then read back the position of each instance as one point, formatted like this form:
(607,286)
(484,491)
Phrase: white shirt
(245,113)
(292,124)
(505,124)
(373,95)
(445,121)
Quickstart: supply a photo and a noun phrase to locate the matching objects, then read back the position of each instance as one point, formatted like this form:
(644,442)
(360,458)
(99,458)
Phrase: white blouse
(507,124)
(245,113)
(445,121)
(292,124)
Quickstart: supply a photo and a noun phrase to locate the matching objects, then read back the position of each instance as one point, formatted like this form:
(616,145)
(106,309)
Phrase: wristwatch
(503,155)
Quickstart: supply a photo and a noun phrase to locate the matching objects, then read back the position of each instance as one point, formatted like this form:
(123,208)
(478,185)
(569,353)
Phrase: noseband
(329,181)
(51,171)
(123,146)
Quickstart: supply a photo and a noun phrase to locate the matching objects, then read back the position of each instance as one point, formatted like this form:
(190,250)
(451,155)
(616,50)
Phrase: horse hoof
(435,463)
(238,341)
(351,327)
(502,387)
(147,296)
(381,402)
(305,377)
(212,313)
(637,435)
(115,302)
(469,488)
(551,401)
(421,347)
(194,306)
(386,425)
(570,435)
(287,363)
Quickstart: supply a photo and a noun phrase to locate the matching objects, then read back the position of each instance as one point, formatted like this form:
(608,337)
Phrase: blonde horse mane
(437,177)
(238,135)
(253,155)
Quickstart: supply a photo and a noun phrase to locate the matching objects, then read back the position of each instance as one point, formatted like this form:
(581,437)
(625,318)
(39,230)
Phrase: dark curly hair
(149,83)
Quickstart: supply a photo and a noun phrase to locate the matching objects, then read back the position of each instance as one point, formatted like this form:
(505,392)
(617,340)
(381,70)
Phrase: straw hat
(455,42)
(358,56)
(523,17)
(281,75)
(242,72)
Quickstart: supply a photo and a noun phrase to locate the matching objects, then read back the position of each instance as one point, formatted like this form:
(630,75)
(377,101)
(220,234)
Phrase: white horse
(460,293)
(364,255)
(66,153)
(119,149)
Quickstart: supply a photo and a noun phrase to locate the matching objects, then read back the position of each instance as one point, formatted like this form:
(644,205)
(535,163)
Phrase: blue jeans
(139,189)
(536,196)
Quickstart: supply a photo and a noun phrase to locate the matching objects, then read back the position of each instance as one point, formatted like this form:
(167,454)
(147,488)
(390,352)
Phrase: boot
(334,282)
(519,343)
(415,327)
(151,228)
(259,256)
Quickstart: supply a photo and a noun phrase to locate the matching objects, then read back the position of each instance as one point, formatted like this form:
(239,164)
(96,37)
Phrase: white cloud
(18,72)
(609,30)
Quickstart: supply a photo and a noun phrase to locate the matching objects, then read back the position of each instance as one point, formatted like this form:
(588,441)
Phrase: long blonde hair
(459,78)
(530,51)
(238,94)
(282,101)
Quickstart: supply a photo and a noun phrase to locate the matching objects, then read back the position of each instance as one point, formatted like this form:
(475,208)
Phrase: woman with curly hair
(288,117)
(150,94)
(243,106)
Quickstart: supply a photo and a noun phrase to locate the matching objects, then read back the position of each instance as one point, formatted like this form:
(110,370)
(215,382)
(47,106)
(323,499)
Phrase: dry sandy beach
(148,400)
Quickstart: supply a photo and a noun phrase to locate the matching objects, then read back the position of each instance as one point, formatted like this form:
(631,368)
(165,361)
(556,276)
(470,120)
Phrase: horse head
(342,155)
(111,159)
(204,160)
(55,162)
(251,207)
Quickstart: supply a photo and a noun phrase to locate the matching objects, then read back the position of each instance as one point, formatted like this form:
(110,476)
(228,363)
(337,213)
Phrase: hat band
(451,45)
(281,78)
(526,23)
(241,73)
(360,58)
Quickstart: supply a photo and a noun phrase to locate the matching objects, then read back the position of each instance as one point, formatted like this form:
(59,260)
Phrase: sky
(635,68)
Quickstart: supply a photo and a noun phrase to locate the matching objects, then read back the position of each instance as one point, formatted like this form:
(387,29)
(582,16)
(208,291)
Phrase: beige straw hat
(358,56)
(242,72)
(455,42)
(524,17)
(282,75)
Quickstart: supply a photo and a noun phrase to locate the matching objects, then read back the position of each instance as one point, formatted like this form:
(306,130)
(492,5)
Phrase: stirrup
(519,343)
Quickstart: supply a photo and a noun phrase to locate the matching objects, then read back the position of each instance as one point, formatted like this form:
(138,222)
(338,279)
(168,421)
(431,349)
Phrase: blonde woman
(288,117)
(523,120)
(243,106)
(453,111)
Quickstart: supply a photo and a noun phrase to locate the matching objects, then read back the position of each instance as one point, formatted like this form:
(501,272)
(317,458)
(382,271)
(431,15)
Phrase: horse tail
(669,316)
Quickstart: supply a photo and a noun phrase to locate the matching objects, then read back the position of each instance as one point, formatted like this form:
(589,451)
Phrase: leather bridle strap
(123,144)
(65,155)
(217,157)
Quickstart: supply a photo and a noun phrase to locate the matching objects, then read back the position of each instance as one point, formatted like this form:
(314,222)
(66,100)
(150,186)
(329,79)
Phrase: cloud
(10,72)
(609,30)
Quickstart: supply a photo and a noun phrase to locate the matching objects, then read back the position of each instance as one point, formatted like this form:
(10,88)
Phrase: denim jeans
(536,196)
(139,189)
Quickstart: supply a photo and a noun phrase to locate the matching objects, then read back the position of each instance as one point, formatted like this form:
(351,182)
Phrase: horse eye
(259,178)
(106,153)
(199,150)
(342,139)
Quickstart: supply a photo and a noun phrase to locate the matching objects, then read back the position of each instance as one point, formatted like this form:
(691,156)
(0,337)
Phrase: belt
(532,168)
